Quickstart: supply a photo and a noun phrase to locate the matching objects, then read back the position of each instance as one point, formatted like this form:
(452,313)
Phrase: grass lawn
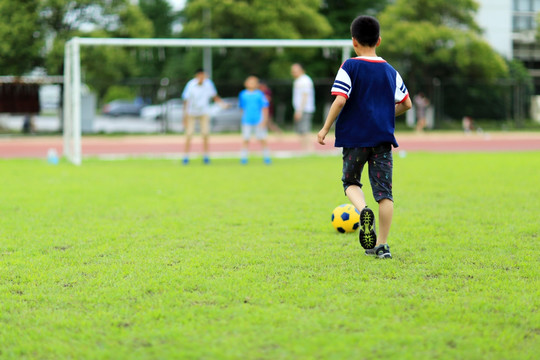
(151,259)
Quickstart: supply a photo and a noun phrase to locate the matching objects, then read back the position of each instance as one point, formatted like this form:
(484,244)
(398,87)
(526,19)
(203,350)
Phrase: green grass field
(150,259)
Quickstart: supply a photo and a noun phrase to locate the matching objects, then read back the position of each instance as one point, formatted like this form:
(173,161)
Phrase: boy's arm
(218,100)
(264,121)
(403,106)
(335,109)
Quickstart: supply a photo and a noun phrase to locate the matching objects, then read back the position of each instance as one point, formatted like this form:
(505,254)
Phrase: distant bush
(116,92)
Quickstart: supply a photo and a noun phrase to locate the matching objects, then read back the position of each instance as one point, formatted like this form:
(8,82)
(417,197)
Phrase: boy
(254,104)
(369,94)
(303,104)
(197,95)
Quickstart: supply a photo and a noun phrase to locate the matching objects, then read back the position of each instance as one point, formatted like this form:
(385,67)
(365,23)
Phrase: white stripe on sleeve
(401,89)
(342,84)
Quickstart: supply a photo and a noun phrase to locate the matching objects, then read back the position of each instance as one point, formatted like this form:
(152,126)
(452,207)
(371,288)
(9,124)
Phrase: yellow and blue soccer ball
(345,218)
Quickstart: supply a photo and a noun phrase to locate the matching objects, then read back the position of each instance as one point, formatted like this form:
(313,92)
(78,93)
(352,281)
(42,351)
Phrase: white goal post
(72,71)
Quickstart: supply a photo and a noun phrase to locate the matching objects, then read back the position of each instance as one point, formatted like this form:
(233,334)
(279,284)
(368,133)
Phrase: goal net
(72,129)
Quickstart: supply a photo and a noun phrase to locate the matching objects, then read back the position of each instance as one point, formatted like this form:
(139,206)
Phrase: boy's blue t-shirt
(372,88)
(252,102)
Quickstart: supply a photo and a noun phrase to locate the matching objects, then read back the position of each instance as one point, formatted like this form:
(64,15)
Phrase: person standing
(254,107)
(421,103)
(370,93)
(197,95)
(303,103)
(272,126)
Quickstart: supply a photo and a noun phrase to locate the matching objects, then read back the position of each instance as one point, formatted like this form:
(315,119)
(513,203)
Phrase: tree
(439,39)
(63,19)
(102,67)
(21,37)
(259,19)
(340,13)
(161,14)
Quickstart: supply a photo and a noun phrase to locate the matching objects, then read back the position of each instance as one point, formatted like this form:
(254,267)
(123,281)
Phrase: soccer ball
(345,218)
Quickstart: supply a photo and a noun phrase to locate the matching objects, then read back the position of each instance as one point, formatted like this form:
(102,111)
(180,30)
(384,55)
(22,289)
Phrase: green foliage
(133,23)
(160,13)
(162,16)
(116,92)
(65,15)
(520,74)
(340,13)
(436,38)
(151,260)
(454,14)
(120,63)
(259,19)
(101,66)
(21,37)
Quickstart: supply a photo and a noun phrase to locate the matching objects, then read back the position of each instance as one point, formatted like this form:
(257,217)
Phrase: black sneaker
(367,236)
(370,252)
(382,251)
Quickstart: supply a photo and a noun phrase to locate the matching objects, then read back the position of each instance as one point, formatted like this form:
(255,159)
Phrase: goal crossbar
(72,70)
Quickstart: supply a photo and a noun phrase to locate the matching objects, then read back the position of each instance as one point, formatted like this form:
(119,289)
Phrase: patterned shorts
(380,164)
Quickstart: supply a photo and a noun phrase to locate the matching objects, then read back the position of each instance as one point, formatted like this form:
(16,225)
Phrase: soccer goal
(72,146)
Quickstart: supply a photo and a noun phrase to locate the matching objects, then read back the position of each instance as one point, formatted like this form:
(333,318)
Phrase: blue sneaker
(185,161)
(206,160)
(267,161)
(243,161)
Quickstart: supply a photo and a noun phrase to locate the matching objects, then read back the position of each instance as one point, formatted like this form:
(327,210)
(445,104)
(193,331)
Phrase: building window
(523,5)
(522,22)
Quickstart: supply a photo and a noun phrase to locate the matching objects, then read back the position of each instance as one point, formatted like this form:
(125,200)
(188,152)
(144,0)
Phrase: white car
(151,112)
(173,109)
(228,119)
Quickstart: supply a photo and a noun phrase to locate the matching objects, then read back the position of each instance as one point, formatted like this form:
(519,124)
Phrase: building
(510,27)
(494,17)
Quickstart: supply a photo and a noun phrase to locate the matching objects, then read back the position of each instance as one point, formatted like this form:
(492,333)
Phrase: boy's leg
(205,131)
(262,134)
(386,211)
(380,176)
(356,196)
(246,135)
(367,236)
(189,125)
(353,163)
(244,153)
(266,152)
(304,129)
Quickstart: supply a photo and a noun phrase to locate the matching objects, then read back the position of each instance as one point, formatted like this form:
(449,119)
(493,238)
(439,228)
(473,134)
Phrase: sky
(177,4)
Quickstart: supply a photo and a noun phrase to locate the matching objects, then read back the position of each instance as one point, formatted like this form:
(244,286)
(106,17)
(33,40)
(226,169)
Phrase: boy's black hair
(199,70)
(366,30)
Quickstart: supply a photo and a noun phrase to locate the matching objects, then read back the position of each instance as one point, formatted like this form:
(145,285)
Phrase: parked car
(122,108)
(228,119)
(152,112)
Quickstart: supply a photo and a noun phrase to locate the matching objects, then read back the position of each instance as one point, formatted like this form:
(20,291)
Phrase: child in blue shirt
(370,93)
(254,104)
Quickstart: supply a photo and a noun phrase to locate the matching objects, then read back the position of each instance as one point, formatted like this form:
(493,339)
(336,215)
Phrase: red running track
(225,145)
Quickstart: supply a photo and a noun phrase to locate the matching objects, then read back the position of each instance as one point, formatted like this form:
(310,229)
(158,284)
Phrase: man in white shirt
(303,104)
(197,95)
